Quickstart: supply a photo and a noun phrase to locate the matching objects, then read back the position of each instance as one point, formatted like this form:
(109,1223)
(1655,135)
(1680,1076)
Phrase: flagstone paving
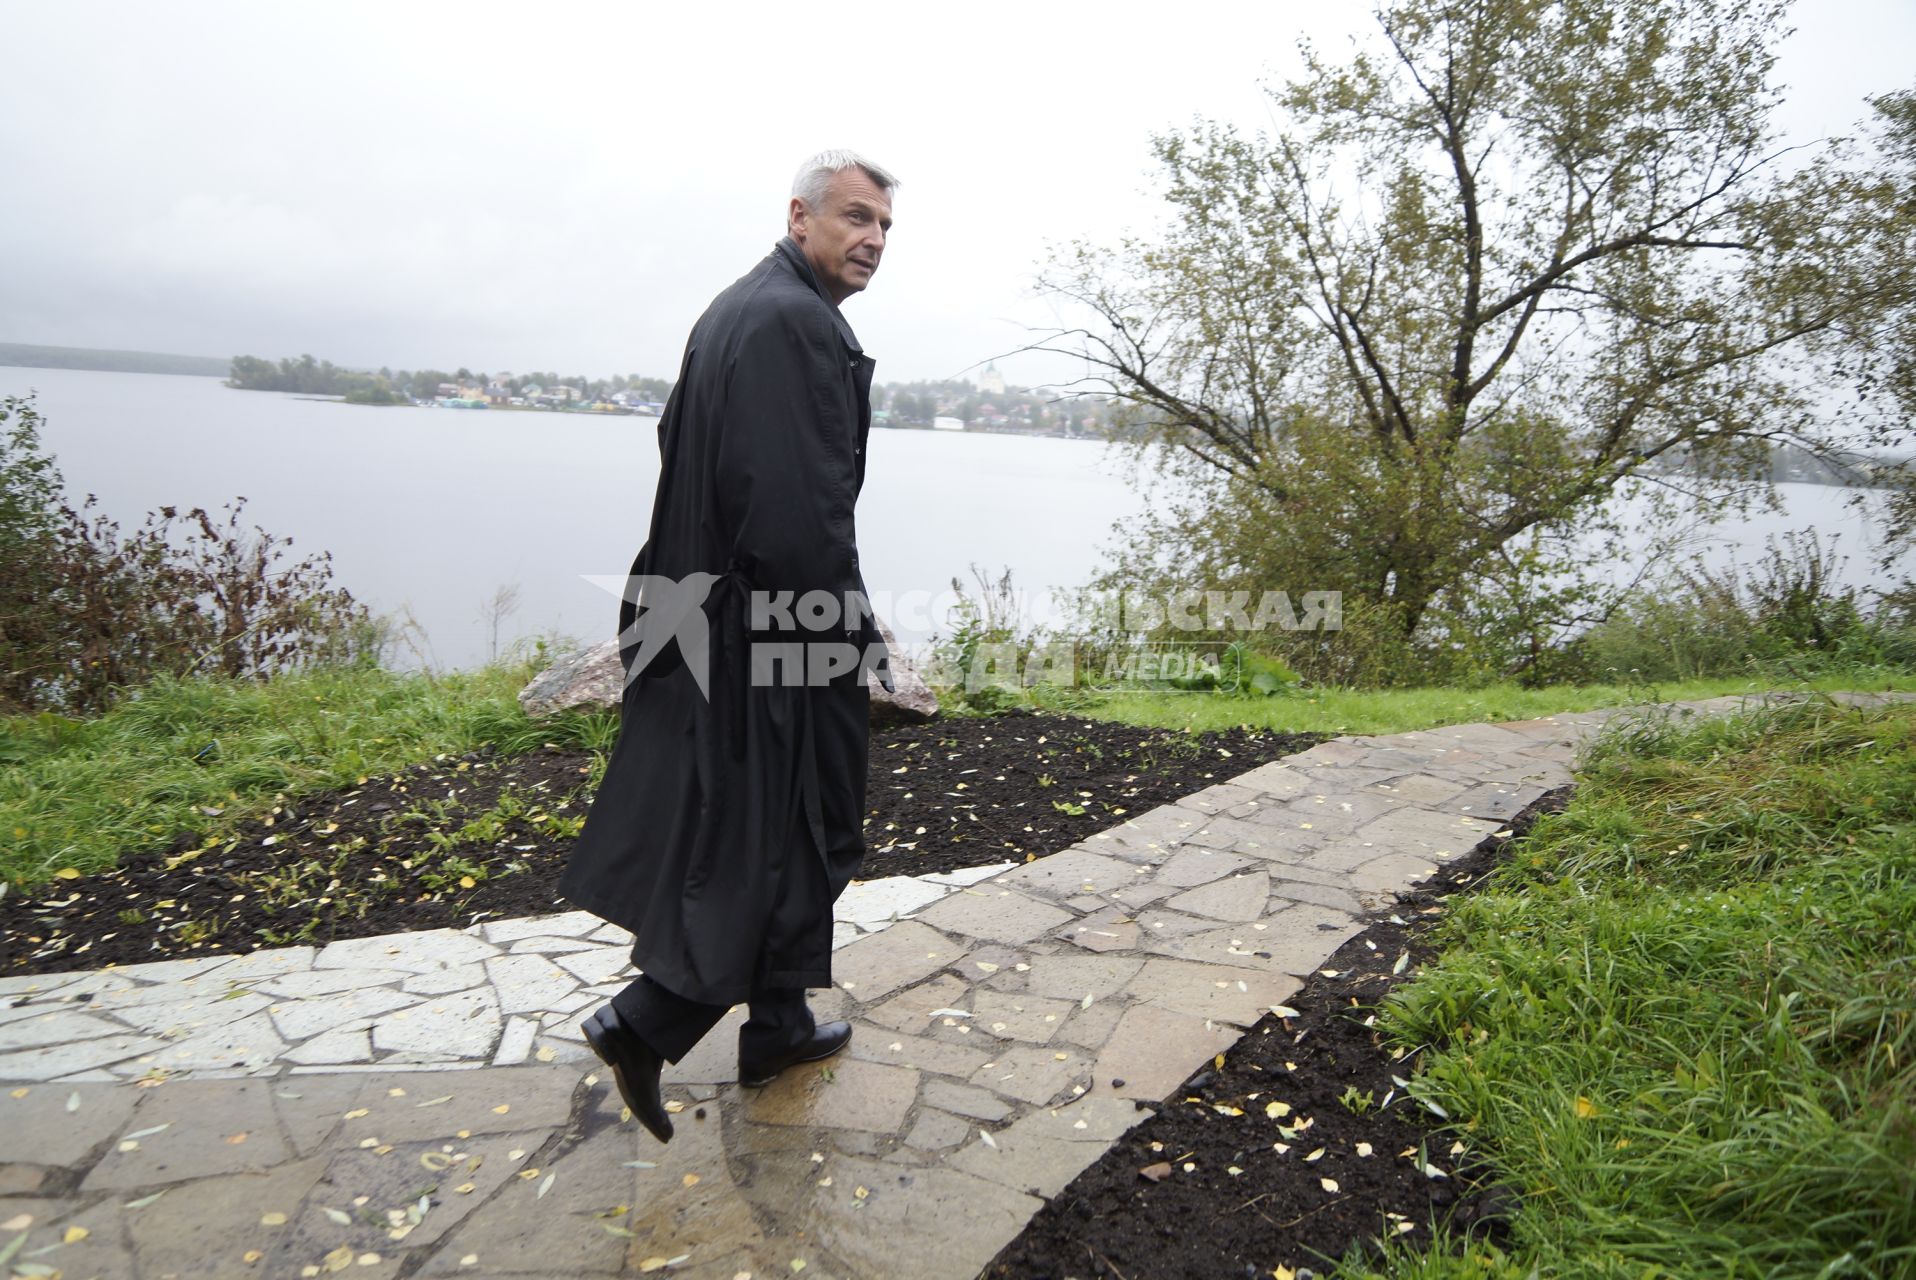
(415,1104)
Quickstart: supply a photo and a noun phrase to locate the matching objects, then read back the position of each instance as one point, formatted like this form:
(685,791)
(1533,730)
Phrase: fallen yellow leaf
(689,1180)
(274,1219)
(68,873)
(1585,1108)
(75,1234)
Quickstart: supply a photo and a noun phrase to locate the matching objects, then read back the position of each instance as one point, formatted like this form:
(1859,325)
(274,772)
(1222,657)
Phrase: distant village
(982,403)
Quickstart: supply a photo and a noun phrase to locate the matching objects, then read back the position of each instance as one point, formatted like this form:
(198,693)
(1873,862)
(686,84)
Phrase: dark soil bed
(1216,1185)
(454,841)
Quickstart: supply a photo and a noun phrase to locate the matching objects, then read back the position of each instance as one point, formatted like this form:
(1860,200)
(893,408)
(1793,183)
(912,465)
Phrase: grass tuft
(1683,1023)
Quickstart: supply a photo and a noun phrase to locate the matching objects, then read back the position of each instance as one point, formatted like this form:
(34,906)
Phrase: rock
(913,702)
(594,677)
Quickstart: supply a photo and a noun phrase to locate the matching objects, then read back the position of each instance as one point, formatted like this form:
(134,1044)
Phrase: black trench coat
(726,826)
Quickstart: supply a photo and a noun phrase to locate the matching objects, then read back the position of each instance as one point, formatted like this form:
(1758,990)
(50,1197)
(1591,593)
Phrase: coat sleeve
(786,470)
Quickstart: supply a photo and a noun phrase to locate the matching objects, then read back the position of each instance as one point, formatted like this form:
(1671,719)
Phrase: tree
(1484,272)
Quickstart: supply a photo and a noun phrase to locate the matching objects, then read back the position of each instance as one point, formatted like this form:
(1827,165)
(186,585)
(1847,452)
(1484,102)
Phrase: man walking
(731,813)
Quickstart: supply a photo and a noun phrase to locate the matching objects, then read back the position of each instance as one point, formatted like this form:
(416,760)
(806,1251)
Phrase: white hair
(815,175)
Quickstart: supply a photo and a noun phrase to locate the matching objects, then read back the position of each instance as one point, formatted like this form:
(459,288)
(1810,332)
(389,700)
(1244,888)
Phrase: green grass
(76,793)
(1399,710)
(1682,1025)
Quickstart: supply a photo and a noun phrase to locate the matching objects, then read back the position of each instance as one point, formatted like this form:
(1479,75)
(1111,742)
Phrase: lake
(435,510)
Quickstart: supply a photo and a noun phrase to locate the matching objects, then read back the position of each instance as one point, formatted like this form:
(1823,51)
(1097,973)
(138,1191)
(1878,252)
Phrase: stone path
(415,1104)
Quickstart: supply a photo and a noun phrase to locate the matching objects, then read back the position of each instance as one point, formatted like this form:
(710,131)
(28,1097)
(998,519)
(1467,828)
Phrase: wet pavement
(423,1104)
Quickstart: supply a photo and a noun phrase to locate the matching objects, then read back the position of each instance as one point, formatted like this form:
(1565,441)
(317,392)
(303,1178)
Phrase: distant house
(532,391)
(948,424)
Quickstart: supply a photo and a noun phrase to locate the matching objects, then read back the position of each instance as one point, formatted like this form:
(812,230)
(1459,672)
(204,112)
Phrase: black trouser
(672,1024)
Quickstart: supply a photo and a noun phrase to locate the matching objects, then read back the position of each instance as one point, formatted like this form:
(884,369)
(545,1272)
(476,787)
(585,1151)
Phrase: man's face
(844,237)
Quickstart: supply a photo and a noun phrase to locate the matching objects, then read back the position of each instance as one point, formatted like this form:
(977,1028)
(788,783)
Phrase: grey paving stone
(1071,978)
(54,1062)
(268,961)
(1221,797)
(545,945)
(565,924)
(354,1045)
(599,965)
(40,1129)
(1273,835)
(519,1232)
(251,1042)
(968,875)
(203,1117)
(515,1042)
(350,1010)
(1040,1076)
(713,1060)
(305,984)
(1391,872)
(465,1024)
(1277,780)
(1090,1027)
(418,952)
(535,1098)
(55,1027)
(1235,897)
(1426,831)
(937,1131)
(1193,866)
(1295,941)
(954,1222)
(1114,929)
(102,1253)
(1154,1049)
(881,963)
(205,1228)
(1020,1016)
(921,1053)
(1149,837)
(171,971)
(873,902)
(1495,800)
(1426,789)
(529,983)
(310,1108)
(845,1093)
(1068,873)
(1342,900)
(910,1011)
(187,1017)
(1217,992)
(966,1100)
(1040,1153)
(443,982)
(993,914)
(1331,814)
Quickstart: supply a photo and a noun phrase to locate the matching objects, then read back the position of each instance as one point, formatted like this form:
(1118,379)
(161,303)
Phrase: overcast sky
(565,186)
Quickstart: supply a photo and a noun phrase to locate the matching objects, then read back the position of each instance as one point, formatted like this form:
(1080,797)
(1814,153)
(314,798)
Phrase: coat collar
(787,248)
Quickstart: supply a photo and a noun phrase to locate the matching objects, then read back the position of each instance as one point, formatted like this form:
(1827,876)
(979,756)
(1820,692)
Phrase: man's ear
(796,216)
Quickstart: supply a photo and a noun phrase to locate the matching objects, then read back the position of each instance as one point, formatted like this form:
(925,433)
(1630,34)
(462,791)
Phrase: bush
(87,611)
(1788,615)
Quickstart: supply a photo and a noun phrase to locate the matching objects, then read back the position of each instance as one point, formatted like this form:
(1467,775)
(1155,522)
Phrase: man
(731,813)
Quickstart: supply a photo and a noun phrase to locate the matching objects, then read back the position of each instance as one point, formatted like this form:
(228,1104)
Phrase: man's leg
(780,1020)
(669,1023)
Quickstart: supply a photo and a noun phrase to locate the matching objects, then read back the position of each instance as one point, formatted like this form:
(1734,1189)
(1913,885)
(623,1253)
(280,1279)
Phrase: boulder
(594,677)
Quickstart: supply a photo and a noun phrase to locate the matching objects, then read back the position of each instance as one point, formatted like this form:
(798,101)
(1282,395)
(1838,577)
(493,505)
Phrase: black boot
(635,1068)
